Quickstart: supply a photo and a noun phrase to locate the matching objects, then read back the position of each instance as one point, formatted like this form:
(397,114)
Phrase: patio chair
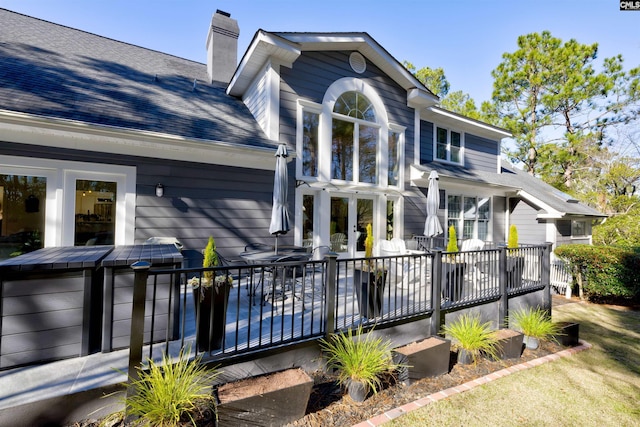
(402,269)
(338,242)
(473,259)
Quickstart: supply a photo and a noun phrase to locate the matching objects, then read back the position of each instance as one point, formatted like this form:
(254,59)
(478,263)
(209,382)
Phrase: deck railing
(273,306)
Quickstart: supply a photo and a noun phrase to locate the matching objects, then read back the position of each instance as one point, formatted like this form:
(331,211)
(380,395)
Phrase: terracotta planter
(370,291)
(211,315)
(453,278)
(425,358)
(268,400)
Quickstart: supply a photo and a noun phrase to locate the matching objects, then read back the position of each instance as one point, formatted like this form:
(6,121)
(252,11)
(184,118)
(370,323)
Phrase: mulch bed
(329,405)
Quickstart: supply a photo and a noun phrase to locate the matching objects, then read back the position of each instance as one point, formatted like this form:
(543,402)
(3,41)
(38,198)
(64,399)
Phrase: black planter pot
(370,291)
(211,312)
(515,268)
(453,277)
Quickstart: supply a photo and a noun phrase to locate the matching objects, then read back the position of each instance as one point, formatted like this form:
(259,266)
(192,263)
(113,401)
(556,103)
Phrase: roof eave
(440,115)
(263,47)
(44,131)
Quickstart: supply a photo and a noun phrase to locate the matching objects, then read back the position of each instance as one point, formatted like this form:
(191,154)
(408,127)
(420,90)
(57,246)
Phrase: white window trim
(477,197)
(435,145)
(61,185)
(586,231)
(310,107)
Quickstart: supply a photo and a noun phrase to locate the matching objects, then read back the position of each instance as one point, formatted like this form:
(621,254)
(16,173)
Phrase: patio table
(269,256)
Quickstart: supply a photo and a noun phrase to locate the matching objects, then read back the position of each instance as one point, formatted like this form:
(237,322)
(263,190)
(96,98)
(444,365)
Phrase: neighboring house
(105,142)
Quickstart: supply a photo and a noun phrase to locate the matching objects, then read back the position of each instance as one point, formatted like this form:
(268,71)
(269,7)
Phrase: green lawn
(596,387)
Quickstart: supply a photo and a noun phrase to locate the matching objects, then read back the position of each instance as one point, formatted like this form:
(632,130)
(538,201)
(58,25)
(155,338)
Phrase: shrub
(452,244)
(165,394)
(512,241)
(534,323)
(210,257)
(470,334)
(607,273)
(359,357)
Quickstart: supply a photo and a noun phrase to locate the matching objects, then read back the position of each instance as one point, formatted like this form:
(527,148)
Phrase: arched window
(354,139)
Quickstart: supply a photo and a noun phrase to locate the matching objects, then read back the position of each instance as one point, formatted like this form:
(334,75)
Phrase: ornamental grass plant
(359,357)
(535,323)
(470,334)
(169,393)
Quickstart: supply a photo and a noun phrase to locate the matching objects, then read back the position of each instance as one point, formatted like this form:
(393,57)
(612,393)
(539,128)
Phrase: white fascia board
(46,132)
(550,212)
(263,47)
(420,98)
(467,124)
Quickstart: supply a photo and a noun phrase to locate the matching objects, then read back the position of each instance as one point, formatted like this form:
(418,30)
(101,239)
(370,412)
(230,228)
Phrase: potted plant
(211,295)
(453,270)
(369,280)
(515,260)
(360,360)
(536,325)
(472,338)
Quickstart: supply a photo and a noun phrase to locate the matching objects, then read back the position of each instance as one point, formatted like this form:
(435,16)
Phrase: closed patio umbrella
(432,225)
(280,213)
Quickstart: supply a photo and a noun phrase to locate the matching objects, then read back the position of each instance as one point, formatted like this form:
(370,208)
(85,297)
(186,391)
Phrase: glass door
(350,215)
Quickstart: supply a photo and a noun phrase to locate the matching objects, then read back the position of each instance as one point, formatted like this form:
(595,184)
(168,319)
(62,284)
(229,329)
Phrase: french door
(350,214)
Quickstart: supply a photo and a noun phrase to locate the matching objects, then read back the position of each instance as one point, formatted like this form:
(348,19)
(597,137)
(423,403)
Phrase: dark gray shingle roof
(514,179)
(56,71)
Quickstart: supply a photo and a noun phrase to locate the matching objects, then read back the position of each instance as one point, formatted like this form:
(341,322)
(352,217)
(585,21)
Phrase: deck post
(503,311)
(437,320)
(141,273)
(545,274)
(330,303)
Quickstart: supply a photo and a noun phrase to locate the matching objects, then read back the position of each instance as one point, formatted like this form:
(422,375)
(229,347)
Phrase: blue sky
(467,38)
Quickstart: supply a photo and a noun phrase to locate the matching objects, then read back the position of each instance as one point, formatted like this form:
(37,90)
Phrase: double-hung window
(470,216)
(448,145)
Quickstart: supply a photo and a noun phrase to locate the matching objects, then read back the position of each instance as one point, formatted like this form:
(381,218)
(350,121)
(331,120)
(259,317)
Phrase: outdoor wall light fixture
(159,190)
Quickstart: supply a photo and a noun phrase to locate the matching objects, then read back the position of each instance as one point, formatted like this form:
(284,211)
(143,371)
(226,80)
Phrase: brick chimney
(222,47)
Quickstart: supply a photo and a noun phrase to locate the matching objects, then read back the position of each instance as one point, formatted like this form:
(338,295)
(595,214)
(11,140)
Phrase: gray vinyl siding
(426,142)
(481,153)
(563,233)
(256,99)
(229,203)
(499,212)
(313,73)
(415,213)
(524,216)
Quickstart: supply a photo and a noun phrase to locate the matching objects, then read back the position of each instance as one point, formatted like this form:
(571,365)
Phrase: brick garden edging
(434,397)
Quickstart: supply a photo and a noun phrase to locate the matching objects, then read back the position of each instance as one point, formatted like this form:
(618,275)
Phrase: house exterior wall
(229,203)
(426,142)
(524,217)
(313,73)
(563,234)
(499,210)
(256,99)
(479,153)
